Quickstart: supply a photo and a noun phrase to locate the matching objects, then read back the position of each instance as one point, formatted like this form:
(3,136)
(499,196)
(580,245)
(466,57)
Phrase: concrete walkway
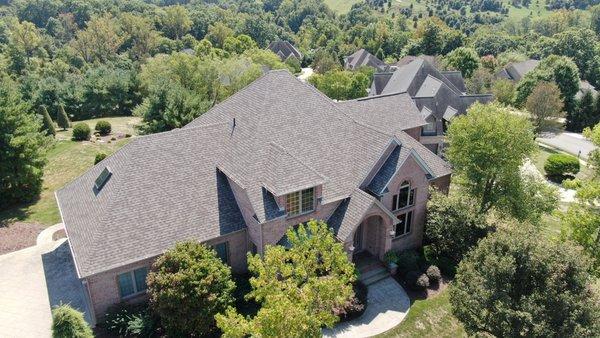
(387,306)
(34,280)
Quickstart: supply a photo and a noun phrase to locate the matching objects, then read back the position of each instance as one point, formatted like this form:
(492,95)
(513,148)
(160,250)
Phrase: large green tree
(544,105)
(463,59)
(298,288)
(22,147)
(517,284)
(188,285)
(342,84)
(487,148)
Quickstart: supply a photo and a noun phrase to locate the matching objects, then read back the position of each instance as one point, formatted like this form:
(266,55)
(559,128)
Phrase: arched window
(405,197)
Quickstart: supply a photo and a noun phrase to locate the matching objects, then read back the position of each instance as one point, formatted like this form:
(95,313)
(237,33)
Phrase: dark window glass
(125,284)
(395,202)
(411,198)
(308,199)
(400,225)
(222,252)
(140,279)
(408,222)
(403,195)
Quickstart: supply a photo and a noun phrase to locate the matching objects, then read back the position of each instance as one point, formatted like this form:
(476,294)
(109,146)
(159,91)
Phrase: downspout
(88,300)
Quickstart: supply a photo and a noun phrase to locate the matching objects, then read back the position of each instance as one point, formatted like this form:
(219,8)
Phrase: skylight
(102,179)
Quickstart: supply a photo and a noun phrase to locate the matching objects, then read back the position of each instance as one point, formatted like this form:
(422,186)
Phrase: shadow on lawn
(15,213)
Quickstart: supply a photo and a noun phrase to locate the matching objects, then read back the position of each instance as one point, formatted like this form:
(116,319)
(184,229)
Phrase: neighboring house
(285,50)
(439,95)
(363,58)
(275,154)
(517,70)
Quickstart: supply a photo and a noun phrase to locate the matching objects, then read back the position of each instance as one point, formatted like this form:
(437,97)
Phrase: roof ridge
(280,147)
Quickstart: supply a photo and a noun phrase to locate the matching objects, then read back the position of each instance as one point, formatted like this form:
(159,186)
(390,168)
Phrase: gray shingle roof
(387,170)
(284,49)
(517,70)
(457,79)
(173,186)
(363,58)
(388,113)
(350,212)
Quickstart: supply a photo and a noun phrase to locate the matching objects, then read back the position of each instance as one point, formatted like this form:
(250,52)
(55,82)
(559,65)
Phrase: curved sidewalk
(387,306)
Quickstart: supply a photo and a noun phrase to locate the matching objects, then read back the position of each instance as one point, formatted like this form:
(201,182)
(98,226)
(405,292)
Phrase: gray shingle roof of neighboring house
(363,58)
(174,186)
(389,113)
(516,71)
(284,49)
(427,86)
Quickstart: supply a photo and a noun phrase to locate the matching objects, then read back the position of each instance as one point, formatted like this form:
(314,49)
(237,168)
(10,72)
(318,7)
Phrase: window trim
(429,132)
(412,193)
(301,194)
(409,215)
(131,274)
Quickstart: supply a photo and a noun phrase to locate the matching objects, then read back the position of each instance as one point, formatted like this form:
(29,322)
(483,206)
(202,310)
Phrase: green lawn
(341,6)
(536,9)
(66,161)
(429,318)
(539,159)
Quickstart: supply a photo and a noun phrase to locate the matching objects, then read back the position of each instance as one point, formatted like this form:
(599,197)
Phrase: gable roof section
(430,87)
(349,213)
(284,49)
(380,80)
(457,79)
(517,70)
(388,113)
(449,113)
(363,58)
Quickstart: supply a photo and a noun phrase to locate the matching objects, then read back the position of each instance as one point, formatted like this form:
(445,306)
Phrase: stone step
(374,276)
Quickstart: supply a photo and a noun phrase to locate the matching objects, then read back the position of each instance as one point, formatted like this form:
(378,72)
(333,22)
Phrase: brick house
(273,155)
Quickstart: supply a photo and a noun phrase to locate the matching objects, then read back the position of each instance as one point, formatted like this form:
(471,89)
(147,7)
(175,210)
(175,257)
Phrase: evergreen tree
(48,124)
(583,115)
(22,147)
(62,119)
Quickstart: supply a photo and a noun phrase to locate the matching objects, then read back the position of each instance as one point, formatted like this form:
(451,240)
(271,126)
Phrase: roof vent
(102,179)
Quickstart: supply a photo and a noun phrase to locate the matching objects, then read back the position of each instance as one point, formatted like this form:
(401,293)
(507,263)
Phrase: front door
(358,239)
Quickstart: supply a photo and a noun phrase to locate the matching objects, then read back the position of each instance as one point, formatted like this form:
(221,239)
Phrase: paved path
(32,281)
(387,306)
(571,143)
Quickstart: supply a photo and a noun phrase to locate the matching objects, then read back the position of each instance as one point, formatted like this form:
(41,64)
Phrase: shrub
(69,323)
(422,282)
(434,274)
(390,257)
(187,286)
(417,280)
(103,127)
(129,320)
(127,135)
(99,157)
(572,183)
(446,265)
(561,164)
(408,260)
(81,132)
(356,306)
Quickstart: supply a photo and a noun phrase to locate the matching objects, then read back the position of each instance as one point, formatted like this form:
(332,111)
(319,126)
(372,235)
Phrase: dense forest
(170,61)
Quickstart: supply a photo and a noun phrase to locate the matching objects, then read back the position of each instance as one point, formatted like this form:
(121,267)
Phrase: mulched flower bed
(18,235)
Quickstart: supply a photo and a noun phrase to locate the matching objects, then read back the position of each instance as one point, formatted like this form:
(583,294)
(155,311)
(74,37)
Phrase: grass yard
(539,159)
(429,318)
(341,6)
(536,9)
(66,161)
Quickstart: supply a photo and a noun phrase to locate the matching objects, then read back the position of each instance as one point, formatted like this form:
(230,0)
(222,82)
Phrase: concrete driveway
(571,143)
(32,281)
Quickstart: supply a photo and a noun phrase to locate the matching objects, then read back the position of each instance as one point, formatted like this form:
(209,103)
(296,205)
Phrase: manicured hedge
(561,164)
(103,127)
(81,132)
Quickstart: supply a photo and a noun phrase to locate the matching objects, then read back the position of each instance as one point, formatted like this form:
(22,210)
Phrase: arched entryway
(369,237)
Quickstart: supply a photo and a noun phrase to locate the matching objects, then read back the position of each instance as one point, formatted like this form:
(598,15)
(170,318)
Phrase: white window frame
(396,198)
(131,274)
(301,194)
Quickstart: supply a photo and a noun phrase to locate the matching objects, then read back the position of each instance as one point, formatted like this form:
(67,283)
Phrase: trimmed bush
(408,260)
(417,280)
(390,257)
(81,132)
(69,323)
(446,265)
(434,273)
(572,183)
(99,157)
(129,320)
(103,127)
(356,306)
(561,164)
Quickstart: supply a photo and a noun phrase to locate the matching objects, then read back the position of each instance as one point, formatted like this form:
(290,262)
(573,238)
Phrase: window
(404,198)
(430,127)
(102,179)
(222,250)
(300,202)
(132,282)
(405,224)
